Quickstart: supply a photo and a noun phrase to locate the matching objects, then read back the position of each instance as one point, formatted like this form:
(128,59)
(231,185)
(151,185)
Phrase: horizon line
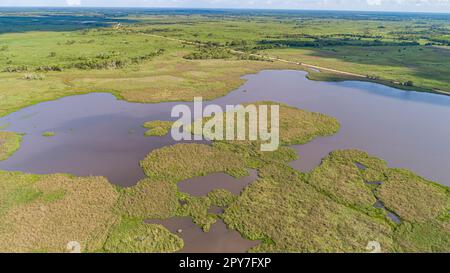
(223,8)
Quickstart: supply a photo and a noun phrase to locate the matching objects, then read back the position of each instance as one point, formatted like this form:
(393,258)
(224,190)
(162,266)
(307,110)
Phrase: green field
(136,62)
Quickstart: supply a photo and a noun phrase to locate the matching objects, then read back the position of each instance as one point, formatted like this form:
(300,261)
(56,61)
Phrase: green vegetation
(310,213)
(129,64)
(296,126)
(153,58)
(158,128)
(429,237)
(136,61)
(302,219)
(300,127)
(197,208)
(414,198)
(327,210)
(422,67)
(221,198)
(9,143)
(406,52)
(48,134)
(191,160)
(133,236)
(149,200)
(57,208)
(209,53)
(61,208)
(339,177)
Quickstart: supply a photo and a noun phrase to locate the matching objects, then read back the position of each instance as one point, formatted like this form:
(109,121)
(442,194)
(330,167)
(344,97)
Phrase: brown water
(99,135)
(218,240)
(201,186)
(95,135)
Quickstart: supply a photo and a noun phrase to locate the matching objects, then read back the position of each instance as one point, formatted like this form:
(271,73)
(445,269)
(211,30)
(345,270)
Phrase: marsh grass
(336,193)
(425,237)
(339,177)
(296,126)
(134,236)
(327,210)
(158,128)
(48,134)
(149,200)
(301,218)
(221,198)
(191,160)
(9,143)
(4,126)
(412,197)
(57,208)
(198,209)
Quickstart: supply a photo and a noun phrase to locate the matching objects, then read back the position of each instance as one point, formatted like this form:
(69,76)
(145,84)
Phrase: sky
(363,5)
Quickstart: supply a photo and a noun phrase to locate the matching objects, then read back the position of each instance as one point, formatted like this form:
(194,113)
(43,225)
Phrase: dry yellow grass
(172,78)
(44,213)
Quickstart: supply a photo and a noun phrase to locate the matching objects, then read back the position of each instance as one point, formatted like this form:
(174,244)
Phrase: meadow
(159,56)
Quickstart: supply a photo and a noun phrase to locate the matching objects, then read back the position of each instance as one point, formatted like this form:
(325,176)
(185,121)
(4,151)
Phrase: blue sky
(376,5)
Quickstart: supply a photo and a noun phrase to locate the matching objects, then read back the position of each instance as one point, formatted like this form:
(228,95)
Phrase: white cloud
(376,5)
(374,2)
(73,2)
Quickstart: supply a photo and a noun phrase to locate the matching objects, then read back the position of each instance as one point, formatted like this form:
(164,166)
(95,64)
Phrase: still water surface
(96,134)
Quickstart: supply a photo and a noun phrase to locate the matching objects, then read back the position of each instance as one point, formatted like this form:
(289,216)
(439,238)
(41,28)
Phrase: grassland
(9,143)
(342,180)
(391,65)
(127,72)
(43,213)
(57,209)
(403,53)
(144,60)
